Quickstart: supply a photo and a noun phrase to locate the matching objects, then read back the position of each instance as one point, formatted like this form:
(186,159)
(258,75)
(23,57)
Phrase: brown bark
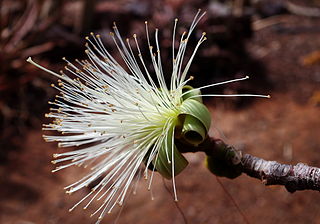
(293,177)
(229,162)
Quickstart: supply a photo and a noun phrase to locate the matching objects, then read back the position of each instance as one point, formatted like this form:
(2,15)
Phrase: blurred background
(275,42)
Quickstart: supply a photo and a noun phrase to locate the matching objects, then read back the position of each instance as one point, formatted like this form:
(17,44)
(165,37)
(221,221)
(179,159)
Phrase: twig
(302,10)
(25,23)
(37,49)
(294,178)
(270,21)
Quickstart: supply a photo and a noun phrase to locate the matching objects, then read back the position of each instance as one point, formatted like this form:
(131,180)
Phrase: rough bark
(230,162)
(293,177)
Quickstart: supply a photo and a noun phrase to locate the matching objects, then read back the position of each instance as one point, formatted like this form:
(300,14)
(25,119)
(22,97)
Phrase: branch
(224,160)
(294,178)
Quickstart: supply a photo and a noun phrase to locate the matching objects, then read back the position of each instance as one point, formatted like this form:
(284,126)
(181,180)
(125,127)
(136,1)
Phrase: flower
(120,119)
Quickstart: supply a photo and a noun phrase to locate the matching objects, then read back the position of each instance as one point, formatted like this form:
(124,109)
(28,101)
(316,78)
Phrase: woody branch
(294,177)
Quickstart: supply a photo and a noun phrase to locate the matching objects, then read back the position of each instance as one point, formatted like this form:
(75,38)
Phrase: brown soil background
(285,128)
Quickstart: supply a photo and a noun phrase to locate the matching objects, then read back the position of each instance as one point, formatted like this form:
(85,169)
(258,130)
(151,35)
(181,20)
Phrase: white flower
(121,118)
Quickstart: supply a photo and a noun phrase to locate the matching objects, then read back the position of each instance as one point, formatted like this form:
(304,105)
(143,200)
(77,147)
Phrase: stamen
(232,95)
(117,119)
(216,84)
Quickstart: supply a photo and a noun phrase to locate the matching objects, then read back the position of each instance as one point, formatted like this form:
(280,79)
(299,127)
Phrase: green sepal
(193,131)
(162,164)
(196,120)
(189,91)
(197,110)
